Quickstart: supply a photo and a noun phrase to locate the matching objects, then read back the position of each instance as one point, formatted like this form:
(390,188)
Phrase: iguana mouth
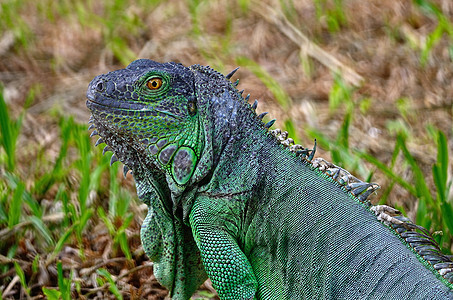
(103,103)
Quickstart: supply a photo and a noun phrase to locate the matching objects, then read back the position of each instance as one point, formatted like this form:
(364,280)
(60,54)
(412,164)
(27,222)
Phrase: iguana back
(310,240)
(259,215)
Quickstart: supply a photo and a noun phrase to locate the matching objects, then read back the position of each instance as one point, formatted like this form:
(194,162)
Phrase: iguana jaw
(121,146)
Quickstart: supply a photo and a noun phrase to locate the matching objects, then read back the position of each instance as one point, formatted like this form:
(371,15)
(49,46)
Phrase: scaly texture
(230,199)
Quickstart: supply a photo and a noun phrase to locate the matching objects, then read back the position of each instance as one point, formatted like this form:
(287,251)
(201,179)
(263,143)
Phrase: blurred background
(370,80)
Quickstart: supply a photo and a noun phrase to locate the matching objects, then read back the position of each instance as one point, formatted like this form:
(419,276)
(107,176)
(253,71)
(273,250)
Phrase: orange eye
(154,83)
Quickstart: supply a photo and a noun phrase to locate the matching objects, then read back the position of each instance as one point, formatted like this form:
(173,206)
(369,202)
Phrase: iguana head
(166,117)
(148,112)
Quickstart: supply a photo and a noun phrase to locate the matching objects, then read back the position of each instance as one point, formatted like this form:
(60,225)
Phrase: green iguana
(231,199)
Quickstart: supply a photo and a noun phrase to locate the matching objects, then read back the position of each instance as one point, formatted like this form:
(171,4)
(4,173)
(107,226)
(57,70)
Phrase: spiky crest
(229,75)
(419,239)
(416,237)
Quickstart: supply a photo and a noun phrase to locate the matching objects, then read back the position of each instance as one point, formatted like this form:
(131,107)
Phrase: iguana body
(232,200)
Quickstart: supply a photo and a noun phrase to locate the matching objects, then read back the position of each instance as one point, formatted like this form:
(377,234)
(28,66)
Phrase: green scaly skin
(228,200)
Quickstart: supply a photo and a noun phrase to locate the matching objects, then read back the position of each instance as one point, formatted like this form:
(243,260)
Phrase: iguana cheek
(183,165)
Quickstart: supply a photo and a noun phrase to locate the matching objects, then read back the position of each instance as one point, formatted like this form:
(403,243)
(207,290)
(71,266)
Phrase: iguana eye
(154,83)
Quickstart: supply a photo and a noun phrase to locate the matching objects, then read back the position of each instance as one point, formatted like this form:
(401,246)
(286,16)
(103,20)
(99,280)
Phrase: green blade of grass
(121,236)
(58,172)
(440,175)
(42,229)
(112,286)
(447,215)
(63,283)
(291,128)
(8,132)
(340,93)
(114,191)
(388,172)
(440,169)
(13,181)
(343,134)
(60,243)
(421,186)
(21,275)
(51,294)
(15,205)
